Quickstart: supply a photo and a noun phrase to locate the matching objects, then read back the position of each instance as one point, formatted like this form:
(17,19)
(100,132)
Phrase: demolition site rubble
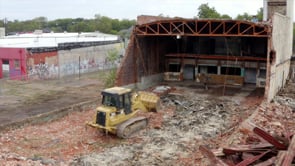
(189,129)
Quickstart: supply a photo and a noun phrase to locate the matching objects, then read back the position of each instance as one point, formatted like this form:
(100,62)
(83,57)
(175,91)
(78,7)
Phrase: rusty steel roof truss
(217,57)
(203,28)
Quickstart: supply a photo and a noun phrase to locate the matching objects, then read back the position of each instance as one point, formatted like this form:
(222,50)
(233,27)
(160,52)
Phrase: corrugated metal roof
(52,39)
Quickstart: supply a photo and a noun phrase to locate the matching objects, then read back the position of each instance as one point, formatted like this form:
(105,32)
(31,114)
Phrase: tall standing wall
(88,59)
(281,46)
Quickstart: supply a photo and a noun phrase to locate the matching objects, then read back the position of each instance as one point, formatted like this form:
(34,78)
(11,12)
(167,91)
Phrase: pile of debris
(174,132)
(199,116)
(266,138)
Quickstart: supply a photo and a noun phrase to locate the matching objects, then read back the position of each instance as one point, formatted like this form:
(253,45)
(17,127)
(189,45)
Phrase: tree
(125,23)
(79,27)
(40,22)
(225,16)
(206,12)
(104,24)
(63,24)
(260,14)
(244,16)
(115,25)
(248,17)
(109,77)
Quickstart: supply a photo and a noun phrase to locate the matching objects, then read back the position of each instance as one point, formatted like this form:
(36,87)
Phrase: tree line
(99,23)
(205,11)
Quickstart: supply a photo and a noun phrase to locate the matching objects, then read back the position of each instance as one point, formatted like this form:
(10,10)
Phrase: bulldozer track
(131,126)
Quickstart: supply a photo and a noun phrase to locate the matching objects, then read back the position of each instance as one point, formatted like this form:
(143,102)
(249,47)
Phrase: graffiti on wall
(43,71)
(87,64)
(42,67)
(69,68)
(82,66)
(84,60)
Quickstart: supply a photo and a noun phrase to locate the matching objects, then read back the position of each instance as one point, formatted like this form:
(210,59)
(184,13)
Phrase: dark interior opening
(230,71)
(5,68)
(174,67)
(5,61)
(212,69)
(262,73)
(205,45)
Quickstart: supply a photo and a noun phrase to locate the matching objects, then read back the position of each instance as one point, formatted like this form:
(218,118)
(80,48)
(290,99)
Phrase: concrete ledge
(146,82)
(51,115)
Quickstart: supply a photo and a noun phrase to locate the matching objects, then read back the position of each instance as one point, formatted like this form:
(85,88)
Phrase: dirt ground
(190,116)
(22,99)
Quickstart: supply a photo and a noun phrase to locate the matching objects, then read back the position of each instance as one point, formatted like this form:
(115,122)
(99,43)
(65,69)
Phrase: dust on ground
(188,118)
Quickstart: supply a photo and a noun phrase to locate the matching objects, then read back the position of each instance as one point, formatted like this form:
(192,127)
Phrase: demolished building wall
(275,6)
(195,46)
(127,73)
(142,65)
(227,52)
(280,46)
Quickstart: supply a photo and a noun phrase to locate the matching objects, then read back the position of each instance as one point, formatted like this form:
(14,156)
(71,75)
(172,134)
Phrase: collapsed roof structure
(229,52)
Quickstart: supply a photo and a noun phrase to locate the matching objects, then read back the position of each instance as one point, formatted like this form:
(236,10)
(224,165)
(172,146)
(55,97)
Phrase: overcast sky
(130,9)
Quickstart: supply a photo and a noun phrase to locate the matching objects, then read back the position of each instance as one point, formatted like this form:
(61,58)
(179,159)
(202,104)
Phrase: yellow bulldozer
(119,106)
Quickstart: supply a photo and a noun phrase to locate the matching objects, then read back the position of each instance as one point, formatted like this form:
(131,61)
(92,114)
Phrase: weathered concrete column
(218,70)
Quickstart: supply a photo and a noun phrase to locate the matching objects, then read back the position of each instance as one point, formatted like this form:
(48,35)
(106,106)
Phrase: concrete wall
(290,10)
(292,70)
(282,46)
(88,59)
(146,82)
(276,6)
(149,81)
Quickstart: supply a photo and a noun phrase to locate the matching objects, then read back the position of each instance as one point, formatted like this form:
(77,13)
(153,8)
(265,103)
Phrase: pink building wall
(17,62)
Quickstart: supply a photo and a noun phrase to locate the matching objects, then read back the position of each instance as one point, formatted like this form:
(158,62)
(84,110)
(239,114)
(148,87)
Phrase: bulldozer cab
(116,114)
(117,97)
